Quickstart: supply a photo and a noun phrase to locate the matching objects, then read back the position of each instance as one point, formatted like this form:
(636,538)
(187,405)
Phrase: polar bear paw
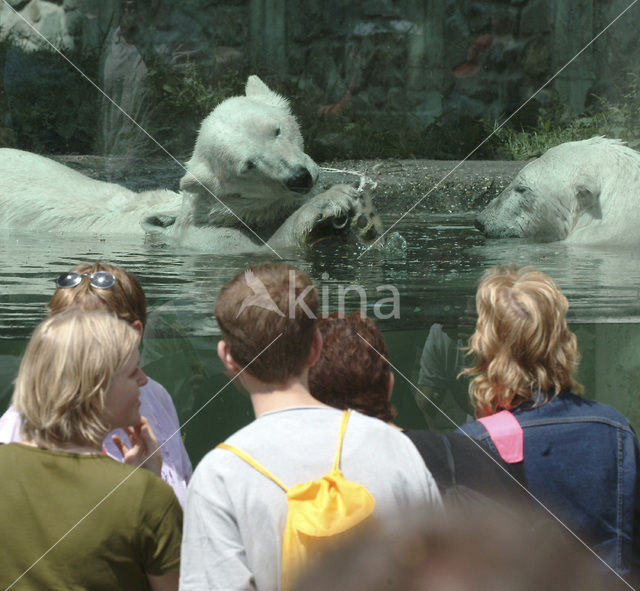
(366,223)
(340,211)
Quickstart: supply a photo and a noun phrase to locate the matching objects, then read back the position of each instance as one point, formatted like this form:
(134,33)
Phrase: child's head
(353,371)
(65,374)
(267,316)
(78,289)
(522,343)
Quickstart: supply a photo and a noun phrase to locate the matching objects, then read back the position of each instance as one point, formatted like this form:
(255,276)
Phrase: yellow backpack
(317,511)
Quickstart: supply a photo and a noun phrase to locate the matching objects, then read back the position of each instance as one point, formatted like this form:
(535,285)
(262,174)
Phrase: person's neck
(267,397)
(74,448)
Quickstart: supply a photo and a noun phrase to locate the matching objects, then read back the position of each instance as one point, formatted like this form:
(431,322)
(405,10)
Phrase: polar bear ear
(589,201)
(259,91)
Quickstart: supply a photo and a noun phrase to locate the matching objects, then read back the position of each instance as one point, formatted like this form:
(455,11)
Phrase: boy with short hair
(235,516)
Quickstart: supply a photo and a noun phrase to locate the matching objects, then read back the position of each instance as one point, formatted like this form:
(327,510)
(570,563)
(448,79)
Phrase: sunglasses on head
(99,279)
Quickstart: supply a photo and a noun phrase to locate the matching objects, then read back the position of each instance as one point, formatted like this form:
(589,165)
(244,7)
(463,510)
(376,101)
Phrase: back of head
(126,297)
(352,371)
(522,343)
(486,550)
(267,316)
(65,374)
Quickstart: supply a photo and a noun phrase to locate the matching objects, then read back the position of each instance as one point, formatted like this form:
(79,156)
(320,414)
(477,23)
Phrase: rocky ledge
(444,186)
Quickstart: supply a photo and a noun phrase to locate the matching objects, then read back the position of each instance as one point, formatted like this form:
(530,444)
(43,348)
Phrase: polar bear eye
(278,131)
(249,165)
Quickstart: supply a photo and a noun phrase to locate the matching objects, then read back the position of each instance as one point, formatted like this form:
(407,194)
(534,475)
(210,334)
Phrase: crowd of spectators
(323,489)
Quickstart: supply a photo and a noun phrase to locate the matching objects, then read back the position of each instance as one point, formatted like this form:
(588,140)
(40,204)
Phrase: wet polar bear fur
(584,192)
(248,180)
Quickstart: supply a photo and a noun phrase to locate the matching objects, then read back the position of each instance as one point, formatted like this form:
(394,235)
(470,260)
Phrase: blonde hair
(126,298)
(522,343)
(65,374)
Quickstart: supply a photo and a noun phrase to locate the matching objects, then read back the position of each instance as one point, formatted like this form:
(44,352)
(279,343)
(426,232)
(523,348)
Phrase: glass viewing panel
(431,107)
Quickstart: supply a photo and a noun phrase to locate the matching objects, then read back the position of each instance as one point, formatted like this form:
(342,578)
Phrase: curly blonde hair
(522,343)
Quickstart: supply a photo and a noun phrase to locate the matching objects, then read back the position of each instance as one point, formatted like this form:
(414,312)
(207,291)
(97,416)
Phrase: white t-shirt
(235,516)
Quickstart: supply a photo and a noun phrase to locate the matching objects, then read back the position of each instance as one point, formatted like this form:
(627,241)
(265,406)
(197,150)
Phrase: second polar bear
(584,192)
(248,186)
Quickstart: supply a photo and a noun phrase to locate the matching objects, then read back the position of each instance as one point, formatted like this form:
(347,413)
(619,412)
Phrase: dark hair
(353,371)
(265,331)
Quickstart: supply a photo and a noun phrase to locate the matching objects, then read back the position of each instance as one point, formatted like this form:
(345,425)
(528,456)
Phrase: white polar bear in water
(585,192)
(248,181)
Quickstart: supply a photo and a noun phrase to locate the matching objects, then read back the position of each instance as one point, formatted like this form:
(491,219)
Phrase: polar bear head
(582,188)
(249,156)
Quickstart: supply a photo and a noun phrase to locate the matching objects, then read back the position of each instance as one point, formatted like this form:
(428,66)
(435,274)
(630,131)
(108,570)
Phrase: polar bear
(585,192)
(247,187)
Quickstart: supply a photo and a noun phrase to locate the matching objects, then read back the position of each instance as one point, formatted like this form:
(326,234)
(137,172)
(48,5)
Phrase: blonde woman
(100,286)
(71,516)
(580,457)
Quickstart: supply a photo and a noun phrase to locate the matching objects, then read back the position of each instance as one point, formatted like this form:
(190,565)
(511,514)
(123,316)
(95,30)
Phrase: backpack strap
(259,467)
(343,430)
(507,435)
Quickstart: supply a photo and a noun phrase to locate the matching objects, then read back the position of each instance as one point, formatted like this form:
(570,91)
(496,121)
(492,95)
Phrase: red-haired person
(353,372)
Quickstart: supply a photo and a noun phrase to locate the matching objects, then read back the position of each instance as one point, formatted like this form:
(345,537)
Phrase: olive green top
(62,529)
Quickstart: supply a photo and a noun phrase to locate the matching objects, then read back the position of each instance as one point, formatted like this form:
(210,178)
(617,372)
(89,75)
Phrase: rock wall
(415,61)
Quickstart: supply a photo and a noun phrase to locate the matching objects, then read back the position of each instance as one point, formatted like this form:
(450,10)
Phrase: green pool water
(435,277)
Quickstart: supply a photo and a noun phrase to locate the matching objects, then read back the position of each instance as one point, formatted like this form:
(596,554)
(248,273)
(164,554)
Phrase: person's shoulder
(216,464)
(157,490)
(129,477)
(142,487)
(369,422)
(381,435)
(425,437)
(474,429)
(132,478)
(570,406)
(440,449)
(9,450)
(607,412)
(361,421)
(465,448)
(10,426)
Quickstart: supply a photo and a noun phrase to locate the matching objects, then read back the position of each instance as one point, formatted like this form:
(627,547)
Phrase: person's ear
(316,349)
(137,324)
(224,352)
(391,379)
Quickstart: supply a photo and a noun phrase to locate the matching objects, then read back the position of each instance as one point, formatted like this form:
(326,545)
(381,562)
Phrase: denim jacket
(581,460)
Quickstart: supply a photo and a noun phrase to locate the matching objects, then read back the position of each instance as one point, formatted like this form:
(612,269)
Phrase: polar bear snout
(502,218)
(300,180)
